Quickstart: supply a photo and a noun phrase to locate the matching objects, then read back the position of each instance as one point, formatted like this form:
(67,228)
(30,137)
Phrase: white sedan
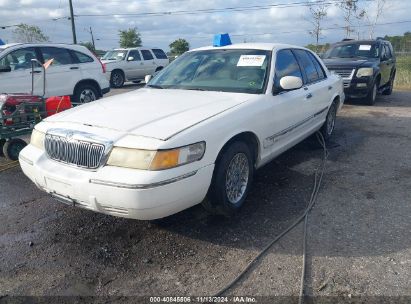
(196,133)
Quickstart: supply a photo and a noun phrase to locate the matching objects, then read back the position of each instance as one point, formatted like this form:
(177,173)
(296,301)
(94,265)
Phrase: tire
(388,90)
(158,69)
(85,93)
(117,79)
(2,142)
(327,128)
(372,94)
(227,176)
(13,147)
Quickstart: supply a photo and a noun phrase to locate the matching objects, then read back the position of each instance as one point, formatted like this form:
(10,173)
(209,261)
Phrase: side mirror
(5,69)
(148,78)
(291,83)
(131,58)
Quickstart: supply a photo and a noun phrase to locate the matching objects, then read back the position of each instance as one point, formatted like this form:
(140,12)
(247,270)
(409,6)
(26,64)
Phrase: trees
(88,45)
(130,38)
(318,12)
(380,4)
(25,33)
(179,47)
(351,12)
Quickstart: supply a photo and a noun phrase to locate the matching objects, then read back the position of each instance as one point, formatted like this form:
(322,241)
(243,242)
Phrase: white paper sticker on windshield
(365,47)
(251,60)
(120,54)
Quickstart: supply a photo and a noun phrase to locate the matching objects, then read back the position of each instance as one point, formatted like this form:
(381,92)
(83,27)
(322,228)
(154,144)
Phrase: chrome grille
(345,74)
(71,151)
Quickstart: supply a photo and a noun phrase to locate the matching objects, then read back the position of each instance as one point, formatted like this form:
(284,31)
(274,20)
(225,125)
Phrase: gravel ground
(359,244)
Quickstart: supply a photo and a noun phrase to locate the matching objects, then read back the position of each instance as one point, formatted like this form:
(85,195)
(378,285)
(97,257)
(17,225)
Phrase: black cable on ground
(317,184)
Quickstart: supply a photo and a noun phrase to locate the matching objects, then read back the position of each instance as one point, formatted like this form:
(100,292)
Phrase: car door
(19,77)
(149,63)
(386,64)
(135,66)
(316,102)
(63,73)
(288,109)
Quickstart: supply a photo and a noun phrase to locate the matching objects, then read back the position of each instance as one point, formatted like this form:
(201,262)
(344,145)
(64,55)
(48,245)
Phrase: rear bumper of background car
(117,191)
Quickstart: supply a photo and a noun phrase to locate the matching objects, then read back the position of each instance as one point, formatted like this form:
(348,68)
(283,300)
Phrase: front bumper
(358,88)
(122,192)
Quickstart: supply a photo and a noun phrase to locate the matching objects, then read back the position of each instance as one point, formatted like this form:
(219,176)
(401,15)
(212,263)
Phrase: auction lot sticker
(251,60)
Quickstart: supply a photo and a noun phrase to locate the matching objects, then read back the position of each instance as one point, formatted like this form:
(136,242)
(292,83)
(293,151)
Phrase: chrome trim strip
(142,186)
(272,138)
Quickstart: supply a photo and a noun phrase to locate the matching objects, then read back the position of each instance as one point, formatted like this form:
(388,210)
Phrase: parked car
(196,133)
(367,67)
(75,71)
(133,64)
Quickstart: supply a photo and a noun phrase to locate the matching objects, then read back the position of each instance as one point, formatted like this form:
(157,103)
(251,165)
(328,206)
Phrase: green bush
(403,76)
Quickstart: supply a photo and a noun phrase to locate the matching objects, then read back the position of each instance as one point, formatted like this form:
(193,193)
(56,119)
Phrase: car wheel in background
(13,147)
(372,95)
(388,90)
(117,79)
(231,180)
(328,127)
(85,93)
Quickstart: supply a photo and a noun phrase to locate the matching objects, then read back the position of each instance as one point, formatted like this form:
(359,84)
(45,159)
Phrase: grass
(403,77)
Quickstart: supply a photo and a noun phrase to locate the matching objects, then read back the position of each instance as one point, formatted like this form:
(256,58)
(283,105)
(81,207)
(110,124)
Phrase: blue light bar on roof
(1,42)
(222,40)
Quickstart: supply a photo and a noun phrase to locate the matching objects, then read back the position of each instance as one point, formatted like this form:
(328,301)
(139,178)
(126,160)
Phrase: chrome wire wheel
(237,178)
(87,95)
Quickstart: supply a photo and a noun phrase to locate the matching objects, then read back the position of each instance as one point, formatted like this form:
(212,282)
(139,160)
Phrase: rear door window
(318,67)
(60,56)
(159,54)
(307,65)
(147,55)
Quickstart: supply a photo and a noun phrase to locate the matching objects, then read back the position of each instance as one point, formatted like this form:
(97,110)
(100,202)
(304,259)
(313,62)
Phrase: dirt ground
(359,244)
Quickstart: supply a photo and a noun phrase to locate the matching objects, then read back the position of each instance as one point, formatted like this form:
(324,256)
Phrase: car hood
(339,63)
(155,113)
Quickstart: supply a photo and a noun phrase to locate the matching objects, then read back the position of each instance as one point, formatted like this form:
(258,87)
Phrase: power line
(215,10)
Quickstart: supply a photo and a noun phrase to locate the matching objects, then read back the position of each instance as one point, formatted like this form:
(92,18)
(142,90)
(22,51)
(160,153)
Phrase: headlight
(156,160)
(37,139)
(364,72)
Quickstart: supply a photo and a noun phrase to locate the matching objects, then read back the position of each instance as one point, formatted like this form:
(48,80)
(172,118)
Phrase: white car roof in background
(255,46)
(70,46)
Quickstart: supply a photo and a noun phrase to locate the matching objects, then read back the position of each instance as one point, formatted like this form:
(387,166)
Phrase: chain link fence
(403,76)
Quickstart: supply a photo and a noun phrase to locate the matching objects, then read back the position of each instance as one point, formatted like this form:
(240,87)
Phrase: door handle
(330,88)
(35,72)
(309,95)
(74,68)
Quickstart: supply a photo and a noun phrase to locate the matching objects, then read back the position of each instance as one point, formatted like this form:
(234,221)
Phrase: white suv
(133,64)
(74,72)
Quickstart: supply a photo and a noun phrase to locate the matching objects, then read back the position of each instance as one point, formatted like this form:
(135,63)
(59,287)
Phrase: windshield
(353,50)
(244,71)
(115,55)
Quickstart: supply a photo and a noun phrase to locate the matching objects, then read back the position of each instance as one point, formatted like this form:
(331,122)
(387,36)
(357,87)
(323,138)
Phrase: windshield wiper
(156,86)
(195,89)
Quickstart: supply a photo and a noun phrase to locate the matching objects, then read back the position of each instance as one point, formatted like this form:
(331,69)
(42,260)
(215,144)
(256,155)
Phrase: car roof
(366,41)
(252,46)
(76,47)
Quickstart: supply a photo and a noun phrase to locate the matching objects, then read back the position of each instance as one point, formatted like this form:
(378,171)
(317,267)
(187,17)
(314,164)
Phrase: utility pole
(92,38)
(73,26)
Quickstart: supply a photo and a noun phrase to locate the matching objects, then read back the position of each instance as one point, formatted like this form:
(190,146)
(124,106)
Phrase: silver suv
(133,64)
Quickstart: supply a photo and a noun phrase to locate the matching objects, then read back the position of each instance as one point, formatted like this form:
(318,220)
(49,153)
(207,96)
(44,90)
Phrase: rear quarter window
(159,54)
(82,58)
(147,55)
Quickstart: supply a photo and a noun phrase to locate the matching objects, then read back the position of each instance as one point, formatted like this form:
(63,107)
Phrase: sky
(274,24)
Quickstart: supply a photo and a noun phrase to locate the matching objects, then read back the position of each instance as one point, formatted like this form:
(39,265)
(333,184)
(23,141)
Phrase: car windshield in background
(115,55)
(353,50)
(243,71)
